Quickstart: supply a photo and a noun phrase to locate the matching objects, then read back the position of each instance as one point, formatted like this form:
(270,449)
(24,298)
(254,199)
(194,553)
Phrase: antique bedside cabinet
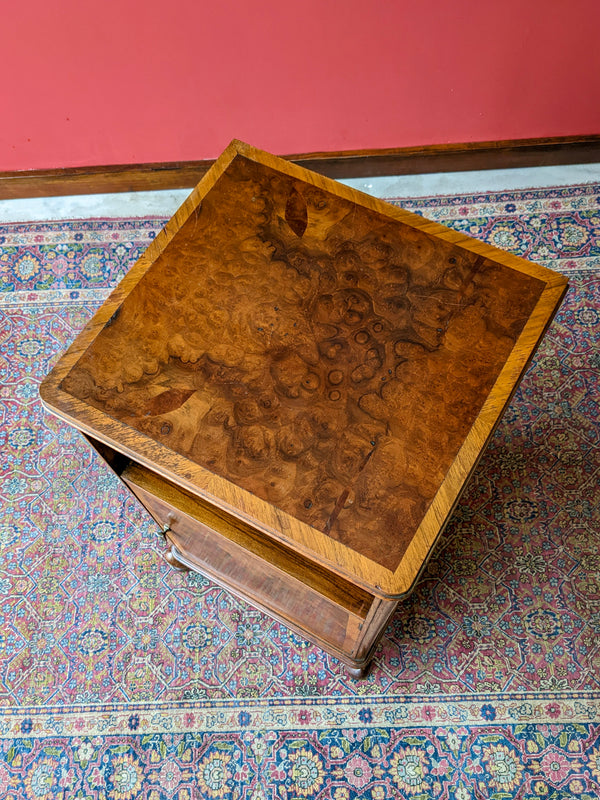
(296,380)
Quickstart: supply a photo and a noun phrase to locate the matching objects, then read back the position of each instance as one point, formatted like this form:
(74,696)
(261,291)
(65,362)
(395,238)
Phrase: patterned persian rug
(121,678)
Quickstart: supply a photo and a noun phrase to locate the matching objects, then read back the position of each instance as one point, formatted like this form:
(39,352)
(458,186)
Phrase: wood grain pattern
(325,366)
(320,356)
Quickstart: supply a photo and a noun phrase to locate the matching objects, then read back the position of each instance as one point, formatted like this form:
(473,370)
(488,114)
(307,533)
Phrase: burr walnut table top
(315,362)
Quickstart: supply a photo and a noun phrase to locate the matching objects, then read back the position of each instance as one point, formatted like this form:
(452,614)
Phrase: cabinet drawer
(334,615)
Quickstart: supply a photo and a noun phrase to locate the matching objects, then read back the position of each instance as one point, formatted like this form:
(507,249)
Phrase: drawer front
(260,583)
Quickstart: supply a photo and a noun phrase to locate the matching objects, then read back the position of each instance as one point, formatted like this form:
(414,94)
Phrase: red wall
(130,81)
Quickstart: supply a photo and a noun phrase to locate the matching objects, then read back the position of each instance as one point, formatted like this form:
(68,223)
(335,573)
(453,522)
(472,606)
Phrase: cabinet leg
(358,672)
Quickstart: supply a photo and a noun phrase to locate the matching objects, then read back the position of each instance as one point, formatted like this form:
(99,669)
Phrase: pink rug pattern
(122,678)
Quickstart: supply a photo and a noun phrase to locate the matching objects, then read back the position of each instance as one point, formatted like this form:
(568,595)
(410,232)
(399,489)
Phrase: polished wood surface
(323,366)
(325,358)
(505,154)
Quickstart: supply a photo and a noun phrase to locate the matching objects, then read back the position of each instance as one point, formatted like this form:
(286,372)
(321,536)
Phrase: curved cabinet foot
(171,558)
(358,672)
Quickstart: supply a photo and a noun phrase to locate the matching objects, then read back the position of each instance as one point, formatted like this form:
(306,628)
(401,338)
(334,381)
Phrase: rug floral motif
(121,678)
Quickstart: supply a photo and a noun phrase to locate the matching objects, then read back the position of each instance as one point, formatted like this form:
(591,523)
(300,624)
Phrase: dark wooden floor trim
(345,164)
